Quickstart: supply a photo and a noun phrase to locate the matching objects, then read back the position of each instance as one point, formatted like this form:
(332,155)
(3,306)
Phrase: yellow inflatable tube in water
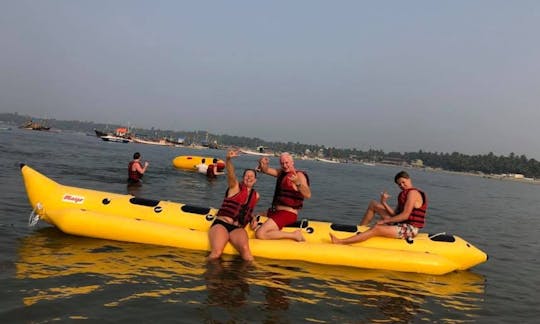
(190,162)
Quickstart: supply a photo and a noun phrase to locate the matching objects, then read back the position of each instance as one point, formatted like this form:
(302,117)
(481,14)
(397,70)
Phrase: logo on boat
(73,199)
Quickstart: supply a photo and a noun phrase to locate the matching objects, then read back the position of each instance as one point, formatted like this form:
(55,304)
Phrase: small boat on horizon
(326,160)
(261,151)
(120,135)
(32,125)
(162,142)
(116,139)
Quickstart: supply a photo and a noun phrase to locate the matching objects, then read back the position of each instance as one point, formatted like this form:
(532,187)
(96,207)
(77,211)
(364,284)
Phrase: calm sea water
(47,275)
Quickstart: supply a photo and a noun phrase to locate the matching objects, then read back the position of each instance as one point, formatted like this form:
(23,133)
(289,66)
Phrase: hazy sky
(440,76)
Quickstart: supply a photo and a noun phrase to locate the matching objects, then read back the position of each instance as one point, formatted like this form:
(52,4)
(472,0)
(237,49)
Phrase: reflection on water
(134,189)
(275,294)
(136,272)
(226,282)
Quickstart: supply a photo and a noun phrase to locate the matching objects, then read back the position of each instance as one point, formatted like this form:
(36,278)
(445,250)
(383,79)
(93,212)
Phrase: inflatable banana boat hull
(105,215)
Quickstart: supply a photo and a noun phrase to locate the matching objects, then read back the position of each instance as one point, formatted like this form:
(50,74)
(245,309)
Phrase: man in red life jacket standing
(292,187)
(212,170)
(402,222)
(136,170)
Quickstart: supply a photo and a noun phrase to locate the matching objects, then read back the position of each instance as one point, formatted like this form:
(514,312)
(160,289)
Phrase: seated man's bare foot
(334,239)
(298,236)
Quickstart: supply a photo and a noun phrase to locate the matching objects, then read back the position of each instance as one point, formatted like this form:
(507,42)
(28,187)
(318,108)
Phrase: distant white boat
(255,153)
(368,163)
(116,139)
(120,135)
(260,151)
(162,142)
(327,160)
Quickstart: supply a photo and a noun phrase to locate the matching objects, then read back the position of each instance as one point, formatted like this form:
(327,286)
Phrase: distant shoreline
(520,165)
(500,177)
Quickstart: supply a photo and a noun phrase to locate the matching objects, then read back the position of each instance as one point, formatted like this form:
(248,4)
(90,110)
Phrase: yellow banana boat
(190,162)
(106,215)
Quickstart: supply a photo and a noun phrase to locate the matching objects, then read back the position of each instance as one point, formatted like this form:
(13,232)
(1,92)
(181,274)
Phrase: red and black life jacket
(285,194)
(417,217)
(239,206)
(210,171)
(134,175)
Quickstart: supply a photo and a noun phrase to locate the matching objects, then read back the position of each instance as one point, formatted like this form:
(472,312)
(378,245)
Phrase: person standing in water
(212,170)
(202,167)
(136,170)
